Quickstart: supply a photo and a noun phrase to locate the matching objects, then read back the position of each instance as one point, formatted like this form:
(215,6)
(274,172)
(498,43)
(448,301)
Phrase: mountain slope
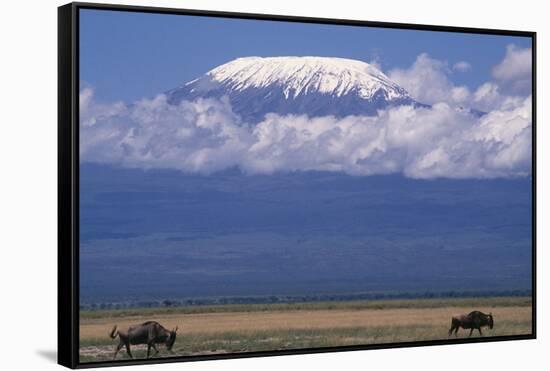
(316,86)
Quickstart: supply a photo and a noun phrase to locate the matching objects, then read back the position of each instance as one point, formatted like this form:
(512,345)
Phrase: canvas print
(254,185)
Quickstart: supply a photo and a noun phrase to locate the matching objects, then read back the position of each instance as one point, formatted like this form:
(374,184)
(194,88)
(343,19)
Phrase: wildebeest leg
(128,350)
(150,341)
(155,348)
(451,330)
(471,330)
(480,333)
(456,331)
(118,348)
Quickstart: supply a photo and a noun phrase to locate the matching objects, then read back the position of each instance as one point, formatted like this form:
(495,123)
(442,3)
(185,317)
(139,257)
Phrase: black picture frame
(68,180)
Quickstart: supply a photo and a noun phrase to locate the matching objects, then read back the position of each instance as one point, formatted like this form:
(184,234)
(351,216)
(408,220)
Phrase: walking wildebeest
(473,320)
(150,333)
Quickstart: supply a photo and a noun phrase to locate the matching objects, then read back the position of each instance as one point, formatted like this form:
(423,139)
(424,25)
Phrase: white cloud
(514,72)
(462,66)
(376,63)
(206,136)
(489,97)
(428,82)
(203,136)
(460,94)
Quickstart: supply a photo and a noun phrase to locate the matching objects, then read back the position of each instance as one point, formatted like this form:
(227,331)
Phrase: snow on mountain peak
(303,75)
(314,86)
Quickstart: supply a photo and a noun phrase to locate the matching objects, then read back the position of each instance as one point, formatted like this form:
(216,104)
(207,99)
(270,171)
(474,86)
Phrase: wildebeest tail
(114,332)
(454,325)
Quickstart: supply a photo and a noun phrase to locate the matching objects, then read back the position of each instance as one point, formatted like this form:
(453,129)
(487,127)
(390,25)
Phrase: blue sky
(126,56)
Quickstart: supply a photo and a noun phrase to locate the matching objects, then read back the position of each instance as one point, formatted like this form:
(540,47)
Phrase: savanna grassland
(259,327)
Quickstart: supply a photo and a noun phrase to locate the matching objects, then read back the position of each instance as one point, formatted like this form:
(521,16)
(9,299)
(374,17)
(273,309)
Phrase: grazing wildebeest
(150,333)
(473,320)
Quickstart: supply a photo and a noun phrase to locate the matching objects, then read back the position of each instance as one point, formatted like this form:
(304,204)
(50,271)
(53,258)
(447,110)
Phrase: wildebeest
(150,333)
(473,320)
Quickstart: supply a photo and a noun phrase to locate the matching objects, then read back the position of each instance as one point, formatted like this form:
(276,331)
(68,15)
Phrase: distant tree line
(300,299)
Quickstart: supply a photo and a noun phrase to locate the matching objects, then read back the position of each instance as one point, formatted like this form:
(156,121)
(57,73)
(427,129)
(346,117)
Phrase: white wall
(28,182)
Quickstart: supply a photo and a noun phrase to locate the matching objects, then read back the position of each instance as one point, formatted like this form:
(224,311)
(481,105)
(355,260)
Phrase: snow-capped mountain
(316,86)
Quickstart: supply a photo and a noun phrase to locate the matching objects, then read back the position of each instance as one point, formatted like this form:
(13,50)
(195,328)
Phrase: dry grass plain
(246,328)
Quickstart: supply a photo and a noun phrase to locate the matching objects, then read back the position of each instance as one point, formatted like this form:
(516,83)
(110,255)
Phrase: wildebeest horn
(176,329)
